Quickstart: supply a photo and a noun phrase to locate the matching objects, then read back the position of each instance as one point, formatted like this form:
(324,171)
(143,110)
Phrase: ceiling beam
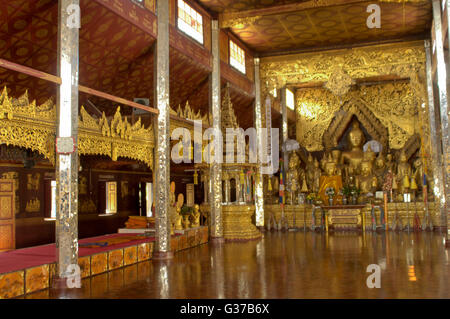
(239,18)
(231,19)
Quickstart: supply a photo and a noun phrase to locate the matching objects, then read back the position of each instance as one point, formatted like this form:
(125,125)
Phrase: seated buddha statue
(355,155)
(366,181)
(380,169)
(330,179)
(403,170)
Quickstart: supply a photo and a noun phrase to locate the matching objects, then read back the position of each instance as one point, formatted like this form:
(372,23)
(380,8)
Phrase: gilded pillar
(67,129)
(284,127)
(227,190)
(216,228)
(259,192)
(238,189)
(443,105)
(435,139)
(162,150)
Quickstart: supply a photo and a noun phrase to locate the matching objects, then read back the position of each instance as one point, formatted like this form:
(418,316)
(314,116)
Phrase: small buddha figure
(323,161)
(195,217)
(293,176)
(179,220)
(369,155)
(355,155)
(317,174)
(390,164)
(309,172)
(330,179)
(336,155)
(366,181)
(403,170)
(418,175)
(186,223)
(380,169)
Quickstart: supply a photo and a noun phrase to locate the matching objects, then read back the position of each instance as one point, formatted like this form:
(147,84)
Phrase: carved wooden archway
(355,107)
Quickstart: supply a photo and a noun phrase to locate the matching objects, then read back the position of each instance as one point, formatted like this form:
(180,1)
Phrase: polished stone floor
(285,265)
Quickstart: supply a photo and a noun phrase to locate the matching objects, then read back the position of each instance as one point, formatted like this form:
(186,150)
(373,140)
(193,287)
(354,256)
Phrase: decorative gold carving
(239,22)
(33,181)
(189,114)
(386,111)
(115,138)
(339,83)
(402,60)
(33,206)
(25,124)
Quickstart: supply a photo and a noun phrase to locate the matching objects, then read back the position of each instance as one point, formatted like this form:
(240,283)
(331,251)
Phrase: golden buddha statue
(293,177)
(178,220)
(366,181)
(317,174)
(403,170)
(380,169)
(355,155)
(369,155)
(195,217)
(309,172)
(330,179)
(337,158)
(418,174)
(390,164)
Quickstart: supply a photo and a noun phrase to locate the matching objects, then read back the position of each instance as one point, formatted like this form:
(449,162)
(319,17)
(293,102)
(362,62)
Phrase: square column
(441,70)
(259,190)
(67,130)
(216,226)
(435,138)
(162,126)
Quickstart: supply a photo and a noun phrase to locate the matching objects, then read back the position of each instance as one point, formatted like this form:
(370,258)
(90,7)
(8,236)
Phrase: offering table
(344,217)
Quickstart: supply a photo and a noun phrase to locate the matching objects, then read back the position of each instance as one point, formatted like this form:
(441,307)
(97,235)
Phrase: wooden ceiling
(115,57)
(276,27)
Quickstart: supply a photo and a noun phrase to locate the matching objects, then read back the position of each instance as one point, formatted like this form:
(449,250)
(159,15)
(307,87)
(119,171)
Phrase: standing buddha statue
(309,172)
(317,174)
(403,172)
(380,169)
(293,177)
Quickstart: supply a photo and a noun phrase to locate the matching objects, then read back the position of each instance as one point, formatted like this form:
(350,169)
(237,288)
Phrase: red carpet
(46,254)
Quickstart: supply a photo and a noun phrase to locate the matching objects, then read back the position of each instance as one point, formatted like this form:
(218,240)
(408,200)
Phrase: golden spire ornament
(406,181)
(304,187)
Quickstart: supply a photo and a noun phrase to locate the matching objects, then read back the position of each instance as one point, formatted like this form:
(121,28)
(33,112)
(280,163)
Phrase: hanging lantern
(195,178)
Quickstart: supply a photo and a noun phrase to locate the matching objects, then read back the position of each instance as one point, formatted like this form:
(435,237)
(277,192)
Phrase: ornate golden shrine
(393,113)
(32,126)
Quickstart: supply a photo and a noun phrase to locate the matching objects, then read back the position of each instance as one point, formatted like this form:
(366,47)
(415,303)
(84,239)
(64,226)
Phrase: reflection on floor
(285,265)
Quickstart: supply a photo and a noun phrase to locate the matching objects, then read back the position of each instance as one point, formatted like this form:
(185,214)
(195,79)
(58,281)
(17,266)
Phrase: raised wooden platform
(32,269)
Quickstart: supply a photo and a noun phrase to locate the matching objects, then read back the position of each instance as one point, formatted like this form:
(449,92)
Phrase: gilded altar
(397,216)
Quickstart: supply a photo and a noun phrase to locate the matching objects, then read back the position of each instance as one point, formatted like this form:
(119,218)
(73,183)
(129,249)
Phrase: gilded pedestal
(237,222)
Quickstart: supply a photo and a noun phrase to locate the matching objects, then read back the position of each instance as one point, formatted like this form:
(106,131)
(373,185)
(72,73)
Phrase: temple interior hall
(224,149)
